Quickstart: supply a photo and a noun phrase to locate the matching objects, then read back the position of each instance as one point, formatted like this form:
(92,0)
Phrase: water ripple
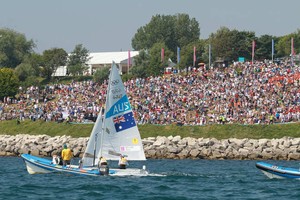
(170,179)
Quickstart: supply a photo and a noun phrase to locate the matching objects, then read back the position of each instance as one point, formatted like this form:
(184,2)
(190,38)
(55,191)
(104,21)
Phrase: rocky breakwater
(286,148)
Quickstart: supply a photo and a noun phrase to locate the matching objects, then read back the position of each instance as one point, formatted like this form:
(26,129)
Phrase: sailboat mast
(96,138)
(106,108)
(95,146)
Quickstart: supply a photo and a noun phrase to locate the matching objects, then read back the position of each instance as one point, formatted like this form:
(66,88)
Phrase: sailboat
(115,133)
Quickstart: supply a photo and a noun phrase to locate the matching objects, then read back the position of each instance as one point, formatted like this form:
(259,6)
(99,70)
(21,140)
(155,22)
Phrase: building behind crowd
(99,60)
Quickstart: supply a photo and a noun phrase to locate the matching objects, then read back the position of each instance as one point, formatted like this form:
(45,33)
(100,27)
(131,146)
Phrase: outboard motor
(104,170)
(143,170)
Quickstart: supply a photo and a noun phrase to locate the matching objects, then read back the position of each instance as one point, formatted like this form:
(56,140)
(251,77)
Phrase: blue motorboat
(37,165)
(275,171)
(114,136)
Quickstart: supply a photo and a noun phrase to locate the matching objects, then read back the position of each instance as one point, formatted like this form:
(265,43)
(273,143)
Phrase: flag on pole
(253,49)
(178,55)
(162,54)
(129,58)
(292,50)
(128,61)
(194,57)
(209,55)
(292,47)
(272,50)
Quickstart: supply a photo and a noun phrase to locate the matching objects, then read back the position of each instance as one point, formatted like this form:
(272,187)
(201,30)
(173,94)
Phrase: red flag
(194,56)
(292,47)
(162,54)
(129,59)
(253,48)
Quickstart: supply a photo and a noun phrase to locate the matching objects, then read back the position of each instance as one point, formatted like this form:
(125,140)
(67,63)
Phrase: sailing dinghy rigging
(115,133)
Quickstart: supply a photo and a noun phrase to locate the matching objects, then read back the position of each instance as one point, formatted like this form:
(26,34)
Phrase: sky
(110,25)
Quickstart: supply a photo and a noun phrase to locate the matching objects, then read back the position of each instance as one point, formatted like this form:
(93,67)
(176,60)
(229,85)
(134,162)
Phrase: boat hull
(37,165)
(279,172)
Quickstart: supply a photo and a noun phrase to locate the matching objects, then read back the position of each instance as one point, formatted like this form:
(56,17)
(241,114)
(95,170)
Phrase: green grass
(10,127)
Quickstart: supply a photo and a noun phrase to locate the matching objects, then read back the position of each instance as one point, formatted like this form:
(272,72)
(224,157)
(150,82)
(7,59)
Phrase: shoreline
(161,147)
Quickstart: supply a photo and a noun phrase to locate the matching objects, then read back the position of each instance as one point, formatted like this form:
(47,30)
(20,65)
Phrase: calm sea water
(173,179)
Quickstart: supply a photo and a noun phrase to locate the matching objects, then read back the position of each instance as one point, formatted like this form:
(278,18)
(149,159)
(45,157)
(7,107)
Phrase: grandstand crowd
(243,93)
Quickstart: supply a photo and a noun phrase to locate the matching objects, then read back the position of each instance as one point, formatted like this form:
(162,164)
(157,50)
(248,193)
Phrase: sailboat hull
(37,165)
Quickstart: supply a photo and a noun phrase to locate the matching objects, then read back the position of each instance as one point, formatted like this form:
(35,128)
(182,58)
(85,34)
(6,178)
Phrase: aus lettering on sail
(121,107)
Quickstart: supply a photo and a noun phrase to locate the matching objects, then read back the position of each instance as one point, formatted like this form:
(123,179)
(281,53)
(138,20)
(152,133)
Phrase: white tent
(103,59)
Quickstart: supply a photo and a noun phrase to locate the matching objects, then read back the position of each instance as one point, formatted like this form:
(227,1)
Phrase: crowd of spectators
(243,93)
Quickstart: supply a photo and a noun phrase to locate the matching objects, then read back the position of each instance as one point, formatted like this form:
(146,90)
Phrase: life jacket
(103,161)
(56,160)
(123,161)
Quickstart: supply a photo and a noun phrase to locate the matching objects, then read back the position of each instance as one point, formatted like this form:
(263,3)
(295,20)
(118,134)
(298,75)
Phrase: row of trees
(169,32)
(16,52)
(166,32)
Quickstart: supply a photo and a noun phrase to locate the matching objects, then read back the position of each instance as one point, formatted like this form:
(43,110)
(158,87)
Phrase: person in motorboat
(122,162)
(55,159)
(66,155)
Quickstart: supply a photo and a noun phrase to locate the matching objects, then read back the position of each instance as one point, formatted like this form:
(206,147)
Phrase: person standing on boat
(123,162)
(66,155)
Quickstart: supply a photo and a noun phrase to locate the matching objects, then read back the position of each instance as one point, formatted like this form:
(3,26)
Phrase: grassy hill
(11,127)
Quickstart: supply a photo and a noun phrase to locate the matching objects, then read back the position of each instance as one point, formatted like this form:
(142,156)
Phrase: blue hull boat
(37,165)
(274,171)
(114,134)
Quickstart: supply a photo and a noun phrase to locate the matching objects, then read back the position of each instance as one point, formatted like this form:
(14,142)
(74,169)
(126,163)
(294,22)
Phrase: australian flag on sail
(123,122)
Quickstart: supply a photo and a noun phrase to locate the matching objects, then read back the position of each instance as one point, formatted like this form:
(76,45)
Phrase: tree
(186,30)
(177,30)
(53,58)
(187,54)
(231,44)
(141,62)
(36,61)
(283,46)
(13,48)
(77,60)
(222,43)
(23,71)
(9,83)
(101,74)
(264,47)
(156,64)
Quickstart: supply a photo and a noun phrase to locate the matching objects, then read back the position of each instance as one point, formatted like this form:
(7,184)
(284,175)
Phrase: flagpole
(253,47)
(128,62)
(194,57)
(178,55)
(162,54)
(272,50)
(209,55)
(292,50)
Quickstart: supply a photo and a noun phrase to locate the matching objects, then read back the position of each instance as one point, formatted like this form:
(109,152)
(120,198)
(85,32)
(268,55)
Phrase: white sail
(115,133)
(90,156)
(120,134)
